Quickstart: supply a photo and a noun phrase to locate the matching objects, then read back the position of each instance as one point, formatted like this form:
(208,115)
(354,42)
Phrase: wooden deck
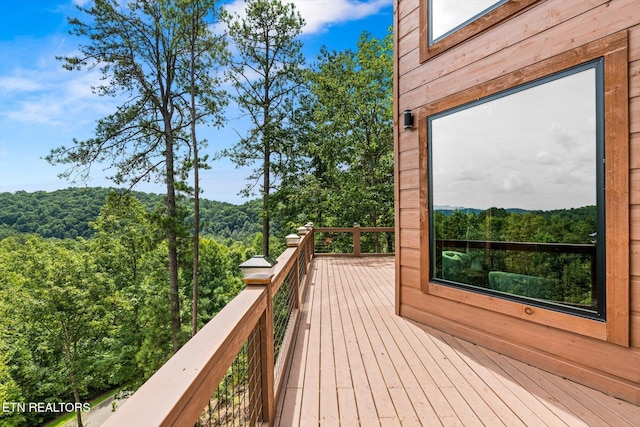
(357,363)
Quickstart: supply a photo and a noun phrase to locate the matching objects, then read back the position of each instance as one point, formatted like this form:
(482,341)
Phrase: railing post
(266,360)
(254,350)
(311,246)
(294,284)
(356,239)
(305,252)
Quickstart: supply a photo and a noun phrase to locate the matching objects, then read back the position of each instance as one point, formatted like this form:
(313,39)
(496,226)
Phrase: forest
(68,213)
(101,286)
(87,315)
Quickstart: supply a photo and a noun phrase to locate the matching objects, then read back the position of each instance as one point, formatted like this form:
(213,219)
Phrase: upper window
(446,23)
(446,16)
(517,202)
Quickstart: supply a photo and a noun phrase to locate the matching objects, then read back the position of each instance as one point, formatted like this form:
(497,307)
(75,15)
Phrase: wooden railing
(235,366)
(562,248)
(336,241)
(241,349)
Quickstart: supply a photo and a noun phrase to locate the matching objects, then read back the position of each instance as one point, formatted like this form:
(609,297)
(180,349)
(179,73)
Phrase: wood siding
(540,32)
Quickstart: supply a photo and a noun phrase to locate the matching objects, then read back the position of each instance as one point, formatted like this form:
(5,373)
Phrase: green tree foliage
(346,134)
(497,224)
(125,244)
(61,307)
(9,389)
(220,277)
(267,74)
(62,214)
(78,317)
(227,221)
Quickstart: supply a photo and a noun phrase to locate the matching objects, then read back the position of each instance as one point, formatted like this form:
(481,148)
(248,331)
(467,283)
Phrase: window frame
(598,66)
(615,328)
(467,29)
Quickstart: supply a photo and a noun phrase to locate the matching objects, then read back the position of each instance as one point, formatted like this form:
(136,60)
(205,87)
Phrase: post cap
(292,240)
(258,269)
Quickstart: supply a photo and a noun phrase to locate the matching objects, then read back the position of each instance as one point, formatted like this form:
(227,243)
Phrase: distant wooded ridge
(67,213)
(573,225)
(449,210)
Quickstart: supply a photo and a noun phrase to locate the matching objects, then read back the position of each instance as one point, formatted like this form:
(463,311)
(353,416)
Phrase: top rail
(354,229)
(327,246)
(563,248)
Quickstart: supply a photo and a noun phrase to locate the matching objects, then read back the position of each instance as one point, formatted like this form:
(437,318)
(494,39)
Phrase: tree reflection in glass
(514,171)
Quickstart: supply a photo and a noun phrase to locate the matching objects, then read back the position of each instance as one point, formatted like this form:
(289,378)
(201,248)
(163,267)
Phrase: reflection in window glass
(514,195)
(445,16)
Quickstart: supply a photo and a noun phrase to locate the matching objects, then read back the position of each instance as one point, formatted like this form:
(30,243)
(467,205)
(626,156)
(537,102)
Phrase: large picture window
(530,134)
(517,193)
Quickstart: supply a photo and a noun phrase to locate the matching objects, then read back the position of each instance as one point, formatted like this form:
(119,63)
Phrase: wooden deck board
(357,363)
(328,388)
(365,405)
(372,369)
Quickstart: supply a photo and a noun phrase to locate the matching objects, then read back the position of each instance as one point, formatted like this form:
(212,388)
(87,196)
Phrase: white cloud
(546,158)
(515,182)
(50,96)
(320,14)
(470,175)
(39,91)
(17,83)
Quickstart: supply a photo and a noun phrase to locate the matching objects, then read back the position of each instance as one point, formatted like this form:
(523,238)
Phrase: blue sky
(43,106)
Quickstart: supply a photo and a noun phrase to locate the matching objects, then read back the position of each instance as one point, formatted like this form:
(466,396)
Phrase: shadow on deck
(356,363)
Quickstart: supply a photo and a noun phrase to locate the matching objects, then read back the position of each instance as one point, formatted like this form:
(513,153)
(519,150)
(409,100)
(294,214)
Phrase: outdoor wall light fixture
(408,119)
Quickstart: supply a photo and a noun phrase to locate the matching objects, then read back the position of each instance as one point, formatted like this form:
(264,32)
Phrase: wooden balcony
(347,359)
(357,363)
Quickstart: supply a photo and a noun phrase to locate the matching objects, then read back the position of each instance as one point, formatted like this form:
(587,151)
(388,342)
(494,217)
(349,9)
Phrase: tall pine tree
(138,47)
(267,74)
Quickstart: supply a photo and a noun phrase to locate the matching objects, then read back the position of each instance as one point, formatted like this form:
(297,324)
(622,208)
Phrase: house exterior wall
(529,38)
